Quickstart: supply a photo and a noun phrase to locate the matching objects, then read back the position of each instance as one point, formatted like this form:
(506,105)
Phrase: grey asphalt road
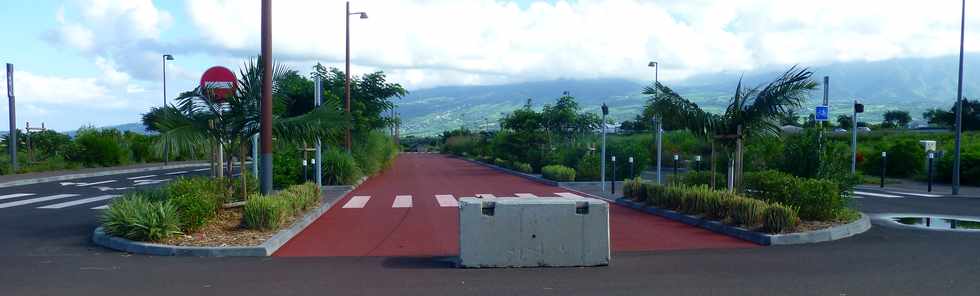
(47,252)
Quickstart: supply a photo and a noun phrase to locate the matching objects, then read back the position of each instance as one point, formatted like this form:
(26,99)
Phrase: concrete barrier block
(533,232)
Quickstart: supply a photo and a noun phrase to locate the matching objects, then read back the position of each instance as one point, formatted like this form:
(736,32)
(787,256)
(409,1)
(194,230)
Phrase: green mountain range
(914,85)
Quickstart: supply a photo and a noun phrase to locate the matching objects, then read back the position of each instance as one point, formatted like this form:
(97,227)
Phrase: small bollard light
(884,162)
(676,157)
(631,168)
(614,174)
(931,155)
(697,162)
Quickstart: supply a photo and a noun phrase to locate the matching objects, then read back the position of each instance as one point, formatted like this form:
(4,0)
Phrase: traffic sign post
(13,119)
(218,83)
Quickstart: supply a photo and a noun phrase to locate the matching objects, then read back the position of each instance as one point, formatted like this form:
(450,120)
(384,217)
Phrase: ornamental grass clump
(301,198)
(746,211)
(778,218)
(558,173)
(654,194)
(264,212)
(138,218)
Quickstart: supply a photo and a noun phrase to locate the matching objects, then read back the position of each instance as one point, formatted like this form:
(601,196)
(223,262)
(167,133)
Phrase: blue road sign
(822,113)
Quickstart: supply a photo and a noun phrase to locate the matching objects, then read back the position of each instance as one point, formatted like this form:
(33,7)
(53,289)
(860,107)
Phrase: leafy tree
(897,118)
(971,116)
(371,96)
(844,121)
(752,112)
(790,117)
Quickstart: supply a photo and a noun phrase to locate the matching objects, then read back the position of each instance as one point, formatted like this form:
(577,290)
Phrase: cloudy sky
(98,62)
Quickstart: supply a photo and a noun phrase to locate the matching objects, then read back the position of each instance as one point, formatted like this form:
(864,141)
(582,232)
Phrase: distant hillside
(131,127)
(913,85)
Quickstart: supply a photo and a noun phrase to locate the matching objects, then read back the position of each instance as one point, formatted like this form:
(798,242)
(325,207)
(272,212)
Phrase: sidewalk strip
(876,194)
(402,201)
(141,177)
(447,201)
(357,202)
(15,195)
(916,194)
(101,207)
(96,183)
(80,201)
(525,195)
(35,200)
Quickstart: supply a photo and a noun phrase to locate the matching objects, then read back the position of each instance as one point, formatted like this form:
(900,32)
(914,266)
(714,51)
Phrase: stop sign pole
(266,124)
(12,138)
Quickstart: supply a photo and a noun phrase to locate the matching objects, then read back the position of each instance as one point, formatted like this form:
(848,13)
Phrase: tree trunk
(241,161)
(738,159)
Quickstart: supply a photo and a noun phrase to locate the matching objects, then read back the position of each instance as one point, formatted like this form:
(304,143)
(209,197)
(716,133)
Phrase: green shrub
(654,194)
(692,178)
(588,168)
(558,173)
(816,199)
(523,167)
(264,212)
(98,147)
(704,201)
(634,189)
(501,162)
(234,187)
(135,217)
(197,200)
(374,153)
(746,211)
(672,197)
(339,168)
(301,198)
(778,218)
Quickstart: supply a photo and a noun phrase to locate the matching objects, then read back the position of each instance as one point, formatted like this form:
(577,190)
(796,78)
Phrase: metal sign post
(12,136)
(931,155)
(318,95)
(602,170)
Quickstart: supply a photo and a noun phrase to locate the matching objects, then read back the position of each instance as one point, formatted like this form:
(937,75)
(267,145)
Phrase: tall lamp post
(266,119)
(959,108)
(166,144)
(602,170)
(347,138)
(659,123)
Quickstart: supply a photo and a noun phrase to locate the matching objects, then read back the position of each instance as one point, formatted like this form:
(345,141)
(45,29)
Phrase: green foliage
(197,201)
(654,194)
(287,166)
(635,189)
(969,165)
(558,173)
(142,147)
(138,218)
(339,168)
(522,167)
(905,158)
(693,178)
(778,218)
(264,212)
(588,168)
(816,199)
(301,198)
(746,212)
(374,152)
(98,147)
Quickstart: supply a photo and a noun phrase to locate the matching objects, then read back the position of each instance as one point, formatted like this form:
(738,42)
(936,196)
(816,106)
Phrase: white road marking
(485,195)
(176,173)
(95,183)
(201,170)
(104,188)
(357,202)
(402,201)
(78,202)
(101,207)
(149,181)
(15,195)
(35,200)
(447,201)
(876,194)
(916,194)
(568,195)
(141,177)
(525,195)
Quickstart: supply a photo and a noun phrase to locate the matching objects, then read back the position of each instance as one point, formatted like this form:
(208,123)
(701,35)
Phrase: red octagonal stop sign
(218,83)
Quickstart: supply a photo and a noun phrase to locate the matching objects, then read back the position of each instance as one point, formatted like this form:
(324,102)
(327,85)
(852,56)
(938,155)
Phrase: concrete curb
(267,248)
(809,237)
(96,174)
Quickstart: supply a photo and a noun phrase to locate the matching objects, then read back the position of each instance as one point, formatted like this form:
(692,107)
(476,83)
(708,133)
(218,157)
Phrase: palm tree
(198,121)
(752,112)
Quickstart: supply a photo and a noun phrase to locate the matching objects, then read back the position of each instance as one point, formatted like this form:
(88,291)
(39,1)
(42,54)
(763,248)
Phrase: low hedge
(727,207)
(816,199)
(558,173)
(137,217)
(522,167)
(270,212)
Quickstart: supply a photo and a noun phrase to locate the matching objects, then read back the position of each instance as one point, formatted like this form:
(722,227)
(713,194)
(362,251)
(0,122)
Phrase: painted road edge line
(15,195)
(35,200)
(96,183)
(176,173)
(402,201)
(915,194)
(141,177)
(80,201)
(101,207)
(875,194)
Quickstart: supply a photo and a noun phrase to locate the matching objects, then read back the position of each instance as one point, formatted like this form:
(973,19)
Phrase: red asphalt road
(425,229)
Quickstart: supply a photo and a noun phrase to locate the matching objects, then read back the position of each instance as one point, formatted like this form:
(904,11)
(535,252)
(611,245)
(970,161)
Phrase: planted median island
(771,202)
(207,212)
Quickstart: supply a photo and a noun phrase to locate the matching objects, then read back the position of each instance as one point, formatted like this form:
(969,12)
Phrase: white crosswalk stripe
(35,200)
(15,195)
(80,201)
(357,202)
(568,195)
(402,201)
(525,195)
(447,201)
(101,207)
(872,194)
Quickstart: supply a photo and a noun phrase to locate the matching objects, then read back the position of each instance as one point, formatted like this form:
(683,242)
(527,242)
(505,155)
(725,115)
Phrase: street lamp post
(602,170)
(659,123)
(266,120)
(347,138)
(959,108)
(166,144)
